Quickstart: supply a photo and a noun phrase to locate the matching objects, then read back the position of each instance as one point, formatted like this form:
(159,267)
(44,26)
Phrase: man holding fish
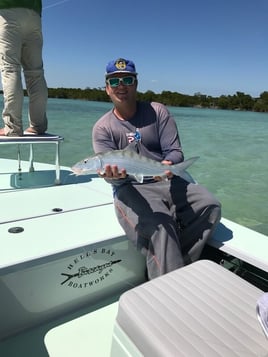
(168,218)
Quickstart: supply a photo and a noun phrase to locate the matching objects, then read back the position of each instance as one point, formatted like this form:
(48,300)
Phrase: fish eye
(85,161)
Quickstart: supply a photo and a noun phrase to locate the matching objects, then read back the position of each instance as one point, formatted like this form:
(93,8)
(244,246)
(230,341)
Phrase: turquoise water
(232,145)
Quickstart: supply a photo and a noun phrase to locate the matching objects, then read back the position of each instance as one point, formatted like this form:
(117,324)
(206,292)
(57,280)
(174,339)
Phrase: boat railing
(35,139)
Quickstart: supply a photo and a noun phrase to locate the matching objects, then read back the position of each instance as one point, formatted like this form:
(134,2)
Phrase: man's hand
(112,172)
(166,162)
(168,174)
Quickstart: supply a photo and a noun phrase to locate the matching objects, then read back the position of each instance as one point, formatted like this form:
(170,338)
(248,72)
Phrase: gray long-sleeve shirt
(152,128)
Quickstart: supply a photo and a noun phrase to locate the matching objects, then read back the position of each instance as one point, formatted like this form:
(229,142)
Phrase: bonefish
(136,165)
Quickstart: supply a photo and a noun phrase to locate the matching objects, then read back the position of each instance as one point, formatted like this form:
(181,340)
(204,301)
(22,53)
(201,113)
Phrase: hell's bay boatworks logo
(83,272)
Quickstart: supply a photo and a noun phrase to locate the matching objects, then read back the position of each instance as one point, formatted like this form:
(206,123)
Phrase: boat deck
(61,239)
(57,227)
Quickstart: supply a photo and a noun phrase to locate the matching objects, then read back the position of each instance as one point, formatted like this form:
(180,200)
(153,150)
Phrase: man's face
(121,87)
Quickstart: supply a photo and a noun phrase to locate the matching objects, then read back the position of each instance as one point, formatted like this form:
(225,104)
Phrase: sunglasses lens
(113,82)
(128,81)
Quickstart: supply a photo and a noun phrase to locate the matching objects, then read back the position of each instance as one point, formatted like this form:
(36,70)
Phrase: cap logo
(120,64)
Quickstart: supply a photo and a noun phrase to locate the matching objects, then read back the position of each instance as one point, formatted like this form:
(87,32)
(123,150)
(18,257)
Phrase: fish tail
(182,166)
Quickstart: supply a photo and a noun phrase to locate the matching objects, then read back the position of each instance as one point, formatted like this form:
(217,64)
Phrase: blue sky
(212,46)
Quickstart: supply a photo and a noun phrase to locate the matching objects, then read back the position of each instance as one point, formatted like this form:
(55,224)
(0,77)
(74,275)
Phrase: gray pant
(169,222)
(21,44)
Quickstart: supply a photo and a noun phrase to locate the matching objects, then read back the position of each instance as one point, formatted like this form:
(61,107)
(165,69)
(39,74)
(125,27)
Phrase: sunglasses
(114,82)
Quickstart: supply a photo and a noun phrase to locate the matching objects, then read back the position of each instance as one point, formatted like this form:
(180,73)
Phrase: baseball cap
(120,65)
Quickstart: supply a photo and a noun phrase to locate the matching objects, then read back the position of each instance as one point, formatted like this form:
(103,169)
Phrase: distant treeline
(238,101)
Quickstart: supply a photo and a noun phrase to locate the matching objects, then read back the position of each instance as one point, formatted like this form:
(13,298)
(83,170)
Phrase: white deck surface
(49,235)
(28,204)
(84,209)
(91,335)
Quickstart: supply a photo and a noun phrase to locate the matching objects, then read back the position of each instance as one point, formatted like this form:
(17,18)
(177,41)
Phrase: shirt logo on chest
(134,136)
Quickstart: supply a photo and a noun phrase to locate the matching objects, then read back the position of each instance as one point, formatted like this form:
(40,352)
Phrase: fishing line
(55,4)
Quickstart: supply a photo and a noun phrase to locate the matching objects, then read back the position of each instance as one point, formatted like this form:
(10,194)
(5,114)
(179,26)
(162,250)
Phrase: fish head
(89,165)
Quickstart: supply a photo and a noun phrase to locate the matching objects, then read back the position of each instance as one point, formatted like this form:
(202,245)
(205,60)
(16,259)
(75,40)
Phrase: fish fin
(138,177)
(189,162)
(185,164)
(187,177)
(180,169)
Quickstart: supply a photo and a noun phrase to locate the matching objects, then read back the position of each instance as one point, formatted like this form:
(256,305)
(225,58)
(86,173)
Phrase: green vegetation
(238,101)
